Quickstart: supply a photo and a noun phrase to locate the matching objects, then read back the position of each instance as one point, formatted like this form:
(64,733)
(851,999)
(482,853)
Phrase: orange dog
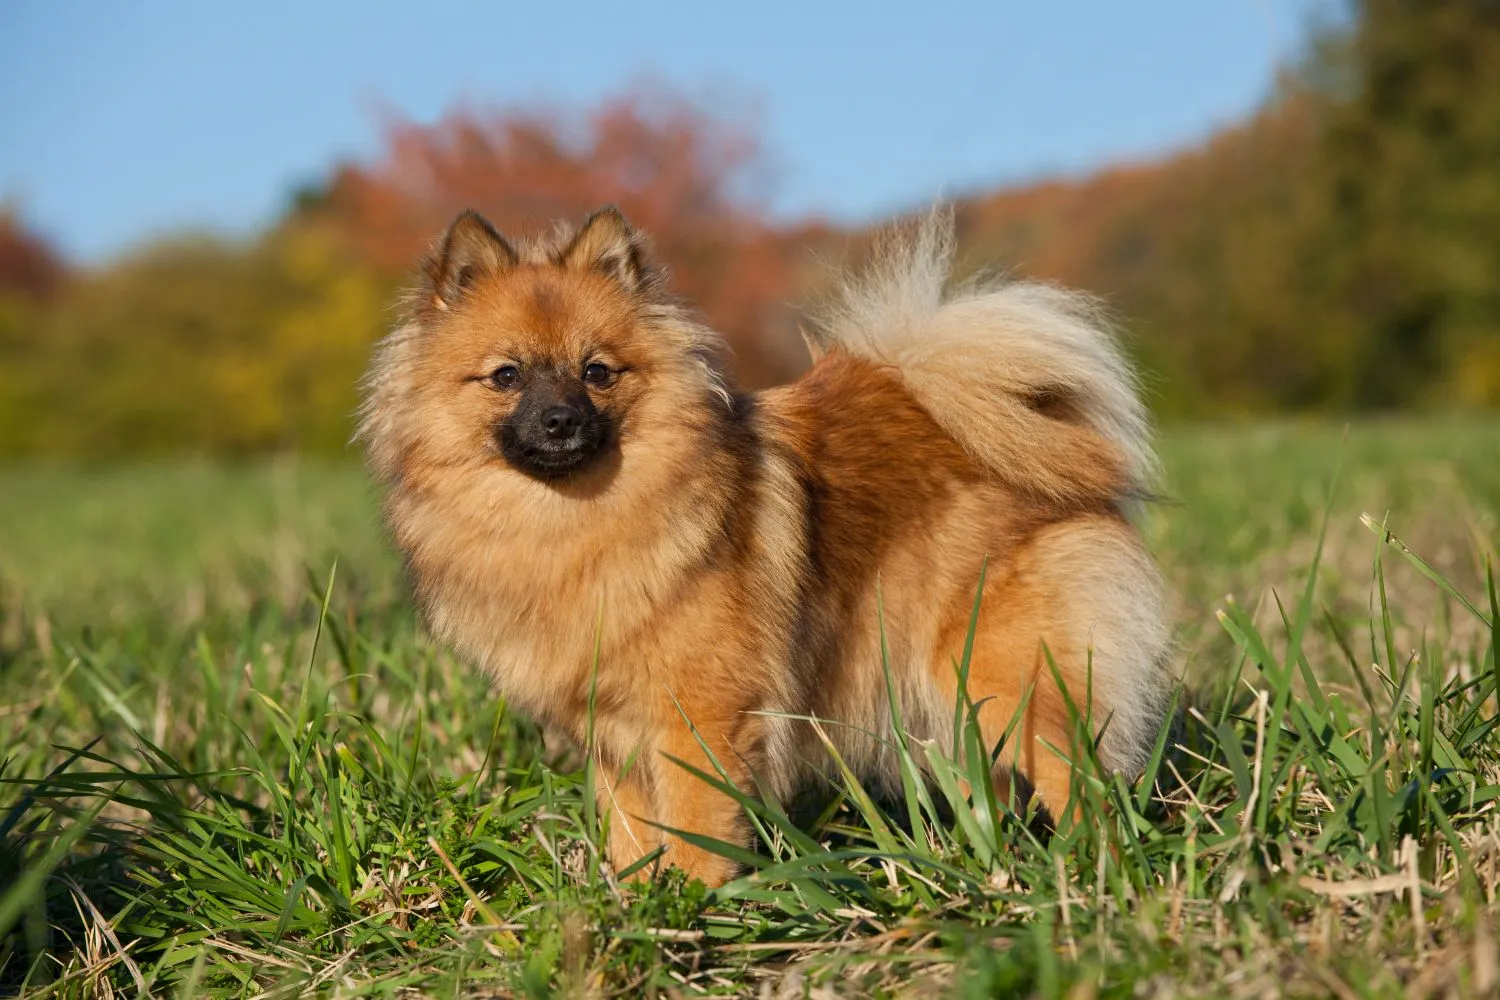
(566,463)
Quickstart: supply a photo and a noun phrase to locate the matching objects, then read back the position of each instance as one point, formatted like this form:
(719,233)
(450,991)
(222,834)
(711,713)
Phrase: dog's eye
(504,377)
(595,373)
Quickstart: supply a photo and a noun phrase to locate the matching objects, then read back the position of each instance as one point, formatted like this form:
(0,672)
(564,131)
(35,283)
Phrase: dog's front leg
(655,794)
(625,798)
(688,803)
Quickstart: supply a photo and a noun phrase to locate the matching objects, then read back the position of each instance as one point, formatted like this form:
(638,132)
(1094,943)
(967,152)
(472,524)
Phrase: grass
(232,768)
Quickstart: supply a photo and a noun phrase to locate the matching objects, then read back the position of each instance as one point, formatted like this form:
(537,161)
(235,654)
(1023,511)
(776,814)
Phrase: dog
(646,558)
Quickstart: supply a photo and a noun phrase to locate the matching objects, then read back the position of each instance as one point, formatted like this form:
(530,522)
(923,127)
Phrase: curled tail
(1027,377)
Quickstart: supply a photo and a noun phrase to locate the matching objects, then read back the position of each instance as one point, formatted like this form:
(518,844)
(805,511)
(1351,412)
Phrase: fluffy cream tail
(1027,377)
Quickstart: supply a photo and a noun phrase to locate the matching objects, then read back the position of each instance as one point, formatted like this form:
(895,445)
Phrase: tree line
(1338,252)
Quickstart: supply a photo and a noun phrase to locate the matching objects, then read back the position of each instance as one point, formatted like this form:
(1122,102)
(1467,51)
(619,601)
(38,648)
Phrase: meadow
(234,766)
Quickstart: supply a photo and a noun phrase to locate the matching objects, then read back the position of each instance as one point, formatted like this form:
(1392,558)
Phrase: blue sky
(120,120)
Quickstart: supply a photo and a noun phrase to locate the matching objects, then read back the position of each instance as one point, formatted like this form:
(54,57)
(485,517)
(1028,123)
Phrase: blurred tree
(198,345)
(29,267)
(32,274)
(1198,254)
(1411,158)
(1338,251)
(682,175)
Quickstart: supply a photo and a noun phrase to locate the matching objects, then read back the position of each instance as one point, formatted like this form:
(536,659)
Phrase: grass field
(230,769)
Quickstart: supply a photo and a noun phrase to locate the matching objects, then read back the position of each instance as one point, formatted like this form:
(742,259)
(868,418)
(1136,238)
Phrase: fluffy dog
(589,511)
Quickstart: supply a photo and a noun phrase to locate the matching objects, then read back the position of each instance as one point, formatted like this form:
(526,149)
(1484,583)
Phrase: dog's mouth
(545,459)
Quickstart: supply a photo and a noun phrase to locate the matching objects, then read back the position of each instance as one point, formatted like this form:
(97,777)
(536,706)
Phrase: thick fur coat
(584,503)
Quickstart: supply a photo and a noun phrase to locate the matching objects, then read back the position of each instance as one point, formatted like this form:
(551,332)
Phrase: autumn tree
(30,268)
(32,275)
(682,175)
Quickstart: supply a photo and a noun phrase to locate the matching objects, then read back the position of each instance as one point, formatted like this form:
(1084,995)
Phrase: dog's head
(555,360)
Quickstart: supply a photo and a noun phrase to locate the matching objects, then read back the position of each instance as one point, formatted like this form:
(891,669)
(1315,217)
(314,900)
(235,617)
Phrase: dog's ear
(470,249)
(607,243)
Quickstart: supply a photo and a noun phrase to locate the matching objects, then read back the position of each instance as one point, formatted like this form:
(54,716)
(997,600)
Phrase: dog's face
(548,363)
(554,428)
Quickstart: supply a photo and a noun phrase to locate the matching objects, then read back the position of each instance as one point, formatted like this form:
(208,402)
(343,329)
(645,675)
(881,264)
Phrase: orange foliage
(1189,247)
(675,171)
(28,266)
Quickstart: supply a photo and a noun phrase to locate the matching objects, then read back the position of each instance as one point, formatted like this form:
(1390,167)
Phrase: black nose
(561,422)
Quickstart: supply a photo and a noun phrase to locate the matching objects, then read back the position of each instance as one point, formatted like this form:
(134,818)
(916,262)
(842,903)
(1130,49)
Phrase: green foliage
(194,345)
(1362,257)
(290,790)
(1412,160)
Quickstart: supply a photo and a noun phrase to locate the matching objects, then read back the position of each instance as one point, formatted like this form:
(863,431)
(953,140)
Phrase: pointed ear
(608,244)
(470,250)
